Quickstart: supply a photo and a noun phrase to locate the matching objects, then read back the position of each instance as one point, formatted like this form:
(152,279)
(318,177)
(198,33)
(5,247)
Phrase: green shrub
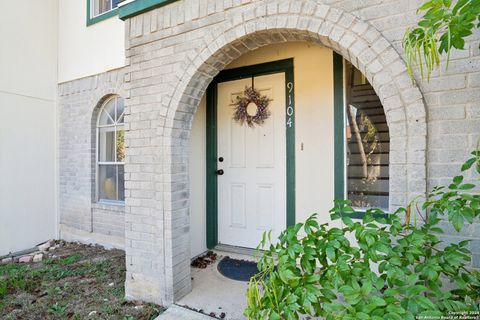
(397,269)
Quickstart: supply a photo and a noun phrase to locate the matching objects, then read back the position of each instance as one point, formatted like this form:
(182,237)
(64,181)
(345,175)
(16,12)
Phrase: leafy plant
(444,26)
(70,259)
(3,288)
(57,309)
(388,266)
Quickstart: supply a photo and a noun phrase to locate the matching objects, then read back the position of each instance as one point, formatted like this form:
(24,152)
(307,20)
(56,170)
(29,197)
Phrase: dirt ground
(73,282)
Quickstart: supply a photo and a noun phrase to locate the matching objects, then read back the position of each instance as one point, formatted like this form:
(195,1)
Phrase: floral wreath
(250,95)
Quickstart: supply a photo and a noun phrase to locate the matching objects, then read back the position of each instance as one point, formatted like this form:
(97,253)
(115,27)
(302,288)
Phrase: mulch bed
(74,281)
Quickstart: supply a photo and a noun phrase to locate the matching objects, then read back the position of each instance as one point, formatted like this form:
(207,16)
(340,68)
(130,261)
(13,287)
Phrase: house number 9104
(289,105)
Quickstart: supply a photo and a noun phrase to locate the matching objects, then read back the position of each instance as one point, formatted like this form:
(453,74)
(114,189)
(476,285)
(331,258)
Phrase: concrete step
(175,312)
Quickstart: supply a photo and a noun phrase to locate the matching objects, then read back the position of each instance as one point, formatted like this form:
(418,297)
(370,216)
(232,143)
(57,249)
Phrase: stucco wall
(87,50)
(28,123)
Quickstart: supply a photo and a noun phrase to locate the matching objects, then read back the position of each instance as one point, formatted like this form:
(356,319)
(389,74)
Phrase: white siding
(87,50)
(28,64)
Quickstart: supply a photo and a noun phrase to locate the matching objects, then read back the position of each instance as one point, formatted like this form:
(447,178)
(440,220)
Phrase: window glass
(105,118)
(111,151)
(120,145)
(107,178)
(367,144)
(106,144)
(120,110)
(102,6)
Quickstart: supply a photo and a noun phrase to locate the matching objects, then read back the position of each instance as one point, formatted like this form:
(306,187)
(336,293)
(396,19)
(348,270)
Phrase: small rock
(45,246)
(25,259)
(92,313)
(38,257)
(7,260)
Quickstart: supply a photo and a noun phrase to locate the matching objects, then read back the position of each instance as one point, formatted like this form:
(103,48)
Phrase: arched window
(111,151)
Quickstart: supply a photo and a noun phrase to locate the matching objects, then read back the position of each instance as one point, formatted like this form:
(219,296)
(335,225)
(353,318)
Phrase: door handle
(220,172)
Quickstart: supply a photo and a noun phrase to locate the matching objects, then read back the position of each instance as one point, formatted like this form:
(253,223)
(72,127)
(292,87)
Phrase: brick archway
(165,277)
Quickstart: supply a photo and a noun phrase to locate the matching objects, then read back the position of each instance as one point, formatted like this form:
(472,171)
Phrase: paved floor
(175,312)
(212,292)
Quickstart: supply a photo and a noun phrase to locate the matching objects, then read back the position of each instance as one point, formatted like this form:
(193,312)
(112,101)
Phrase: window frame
(99,163)
(340,145)
(103,16)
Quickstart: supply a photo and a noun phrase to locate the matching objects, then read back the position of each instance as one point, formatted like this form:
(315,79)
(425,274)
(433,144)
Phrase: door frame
(285,66)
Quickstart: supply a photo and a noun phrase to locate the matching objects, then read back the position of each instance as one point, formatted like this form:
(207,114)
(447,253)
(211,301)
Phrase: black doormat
(235,269)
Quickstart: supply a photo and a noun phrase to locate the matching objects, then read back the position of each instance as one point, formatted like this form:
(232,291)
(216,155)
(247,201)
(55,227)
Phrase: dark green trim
(103,16)
(255,70)
(290,135)
(140,6)
(285,66)
(211,166)
(339,127)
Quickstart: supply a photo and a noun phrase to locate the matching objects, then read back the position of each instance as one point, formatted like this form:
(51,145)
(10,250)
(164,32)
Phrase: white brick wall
(168,77)
(79,102)
(174,51)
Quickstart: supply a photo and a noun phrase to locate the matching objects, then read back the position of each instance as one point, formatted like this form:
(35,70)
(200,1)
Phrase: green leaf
(366,287)
(347,221)
(436,230)
(467,213)
(466,186)
(379,302)
(330,253)
(313,278)
(467,165)
(274,316)
(292,299)
(370,240)
(457,180)
(395,309)
(425,303)
(393,316)
(457,221)
(362,316)
(332,307)
(347,290)
(425,6)
(415,290)
(328,293)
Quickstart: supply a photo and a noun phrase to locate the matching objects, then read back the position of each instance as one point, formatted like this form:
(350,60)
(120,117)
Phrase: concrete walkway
(175,312)
(214,293)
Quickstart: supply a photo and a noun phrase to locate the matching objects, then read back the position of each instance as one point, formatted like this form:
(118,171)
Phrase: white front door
(252,190)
